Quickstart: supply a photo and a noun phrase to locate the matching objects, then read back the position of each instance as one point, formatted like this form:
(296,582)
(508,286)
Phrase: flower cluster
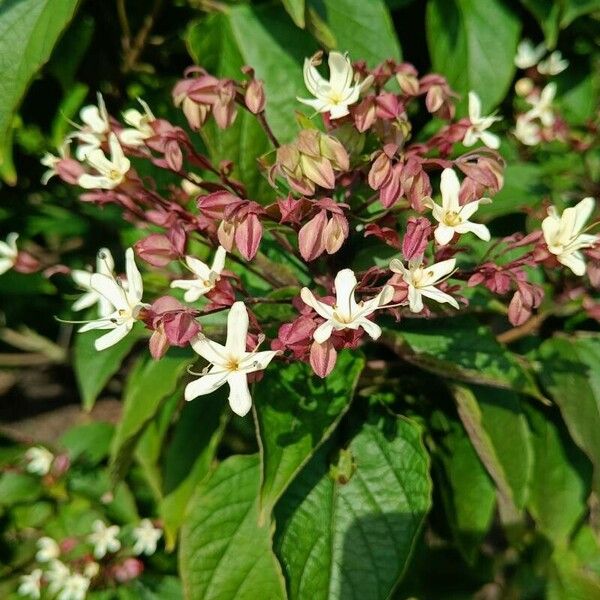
(356,180)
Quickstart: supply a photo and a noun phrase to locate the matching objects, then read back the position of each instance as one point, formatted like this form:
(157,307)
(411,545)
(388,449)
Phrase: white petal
(574,261)
(110,289)
(491,140)
(113,337)
(135,286)
(437,271)
(5,265)
(439,296)
(93,182)
(415,300)
(322,309)
(257,361)
(323,332)
(372,329)
(481,231)
(450,188)
(312,77)
(398,267)
(205,385)
(583,211)
(239,394)
(219,260)
(200,269)
(345,284)
(237,329)
(471,137)
(443,234)
(474,108)
(211,351)
(340,71)
(338,111)
(88,299)
(105,262)
(117,156)
(469,209)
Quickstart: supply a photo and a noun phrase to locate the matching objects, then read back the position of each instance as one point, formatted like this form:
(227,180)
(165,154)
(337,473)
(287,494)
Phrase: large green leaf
(297,10)
(148,385)
(352,537)
(29,29)
(93,369)
(571,374)
(364,29)
(296,411)
(460,348)
(224,553)
(473,44)
(561,478)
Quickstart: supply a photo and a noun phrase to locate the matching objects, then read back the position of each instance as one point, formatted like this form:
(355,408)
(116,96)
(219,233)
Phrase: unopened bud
(255,96)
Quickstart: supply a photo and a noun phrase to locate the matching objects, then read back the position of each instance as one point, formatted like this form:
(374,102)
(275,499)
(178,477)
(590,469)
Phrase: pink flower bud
(26,263)
(255,96)
(296,336)
(364,114)
(380,171)
(129,569)
(290,209)
(320,171)
(69,170)
(335,233)
(386,234)
(416,238)
(224,109)
(226,234)
(248,234)
(388,106)
(391,191)
(323,358)
(311,237)
(156,249)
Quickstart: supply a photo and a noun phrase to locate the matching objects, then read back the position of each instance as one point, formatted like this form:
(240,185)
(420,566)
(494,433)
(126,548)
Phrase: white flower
(553,64)
(74,587)
(56,575)
(104,539)
(96,126)
(564,237)
(110,172)
(205,277)
(451,216)
(336,94)
(91,569)
(48,550)
(542,105)
(528,54)
(105,265)
(479,124)
(527,131)
(126,300)
(140,125)
(31,584)
(346,313)
(230,363)
(146,537)
(8,252)
(39,460)
(51,161)
(422,281)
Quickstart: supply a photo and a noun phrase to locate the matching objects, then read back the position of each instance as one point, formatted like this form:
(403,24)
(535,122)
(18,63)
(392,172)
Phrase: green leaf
(572,9)
(364,29)
(297,10)
(473,44)
(468,492)
(190,456)
(93,369)
(19,487)
(148,385)
(571,374)
(296,412)
(547,14)
(29,29)
(500,435)
(460,348)
(90,442)
(354,539)
(224,553)
(561,478)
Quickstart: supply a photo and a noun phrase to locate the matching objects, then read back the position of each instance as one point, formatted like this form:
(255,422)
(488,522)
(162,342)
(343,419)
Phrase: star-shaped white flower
(230,363)
(339,92)
(422,280)
(541,105)
(140,129)
(8,252)
(39,460)
(527,131)
(96,125)
(56,575)
(104,538)
(146,538)
(105,265)
(451,216)
(30,585)
(111,172)
(48,550)
(479,125)
(126,300)
(553,64)
(74,587)
(205,277)
(564,237)
(528,54)
(346,313)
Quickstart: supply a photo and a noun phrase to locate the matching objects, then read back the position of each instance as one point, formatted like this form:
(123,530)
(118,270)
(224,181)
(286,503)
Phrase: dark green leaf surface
(296,412)
(353,540)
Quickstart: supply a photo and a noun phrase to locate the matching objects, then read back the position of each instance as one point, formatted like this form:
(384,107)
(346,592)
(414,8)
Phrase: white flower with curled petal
(422,280)
(8,252)
(339,92)
(111,172)
(96,125)
(30,585)
(146,538)
(205,277)
(541,105)
(39,460)
(230,363)
(451,216)
(528,55)
(479,125)
(48,549)
(553,64)
(564,234)
(105,265)
(104,539)
(126,300)
(140,129)
(346,313)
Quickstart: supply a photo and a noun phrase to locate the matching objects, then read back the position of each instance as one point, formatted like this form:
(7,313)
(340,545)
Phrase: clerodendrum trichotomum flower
(451,216)
(110,172)
(104,265)
(564,234)
(230,363)
(422,280)
(480,125)
(8,252)
(126,300)
(339,92)
(346,313)
(205,277)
